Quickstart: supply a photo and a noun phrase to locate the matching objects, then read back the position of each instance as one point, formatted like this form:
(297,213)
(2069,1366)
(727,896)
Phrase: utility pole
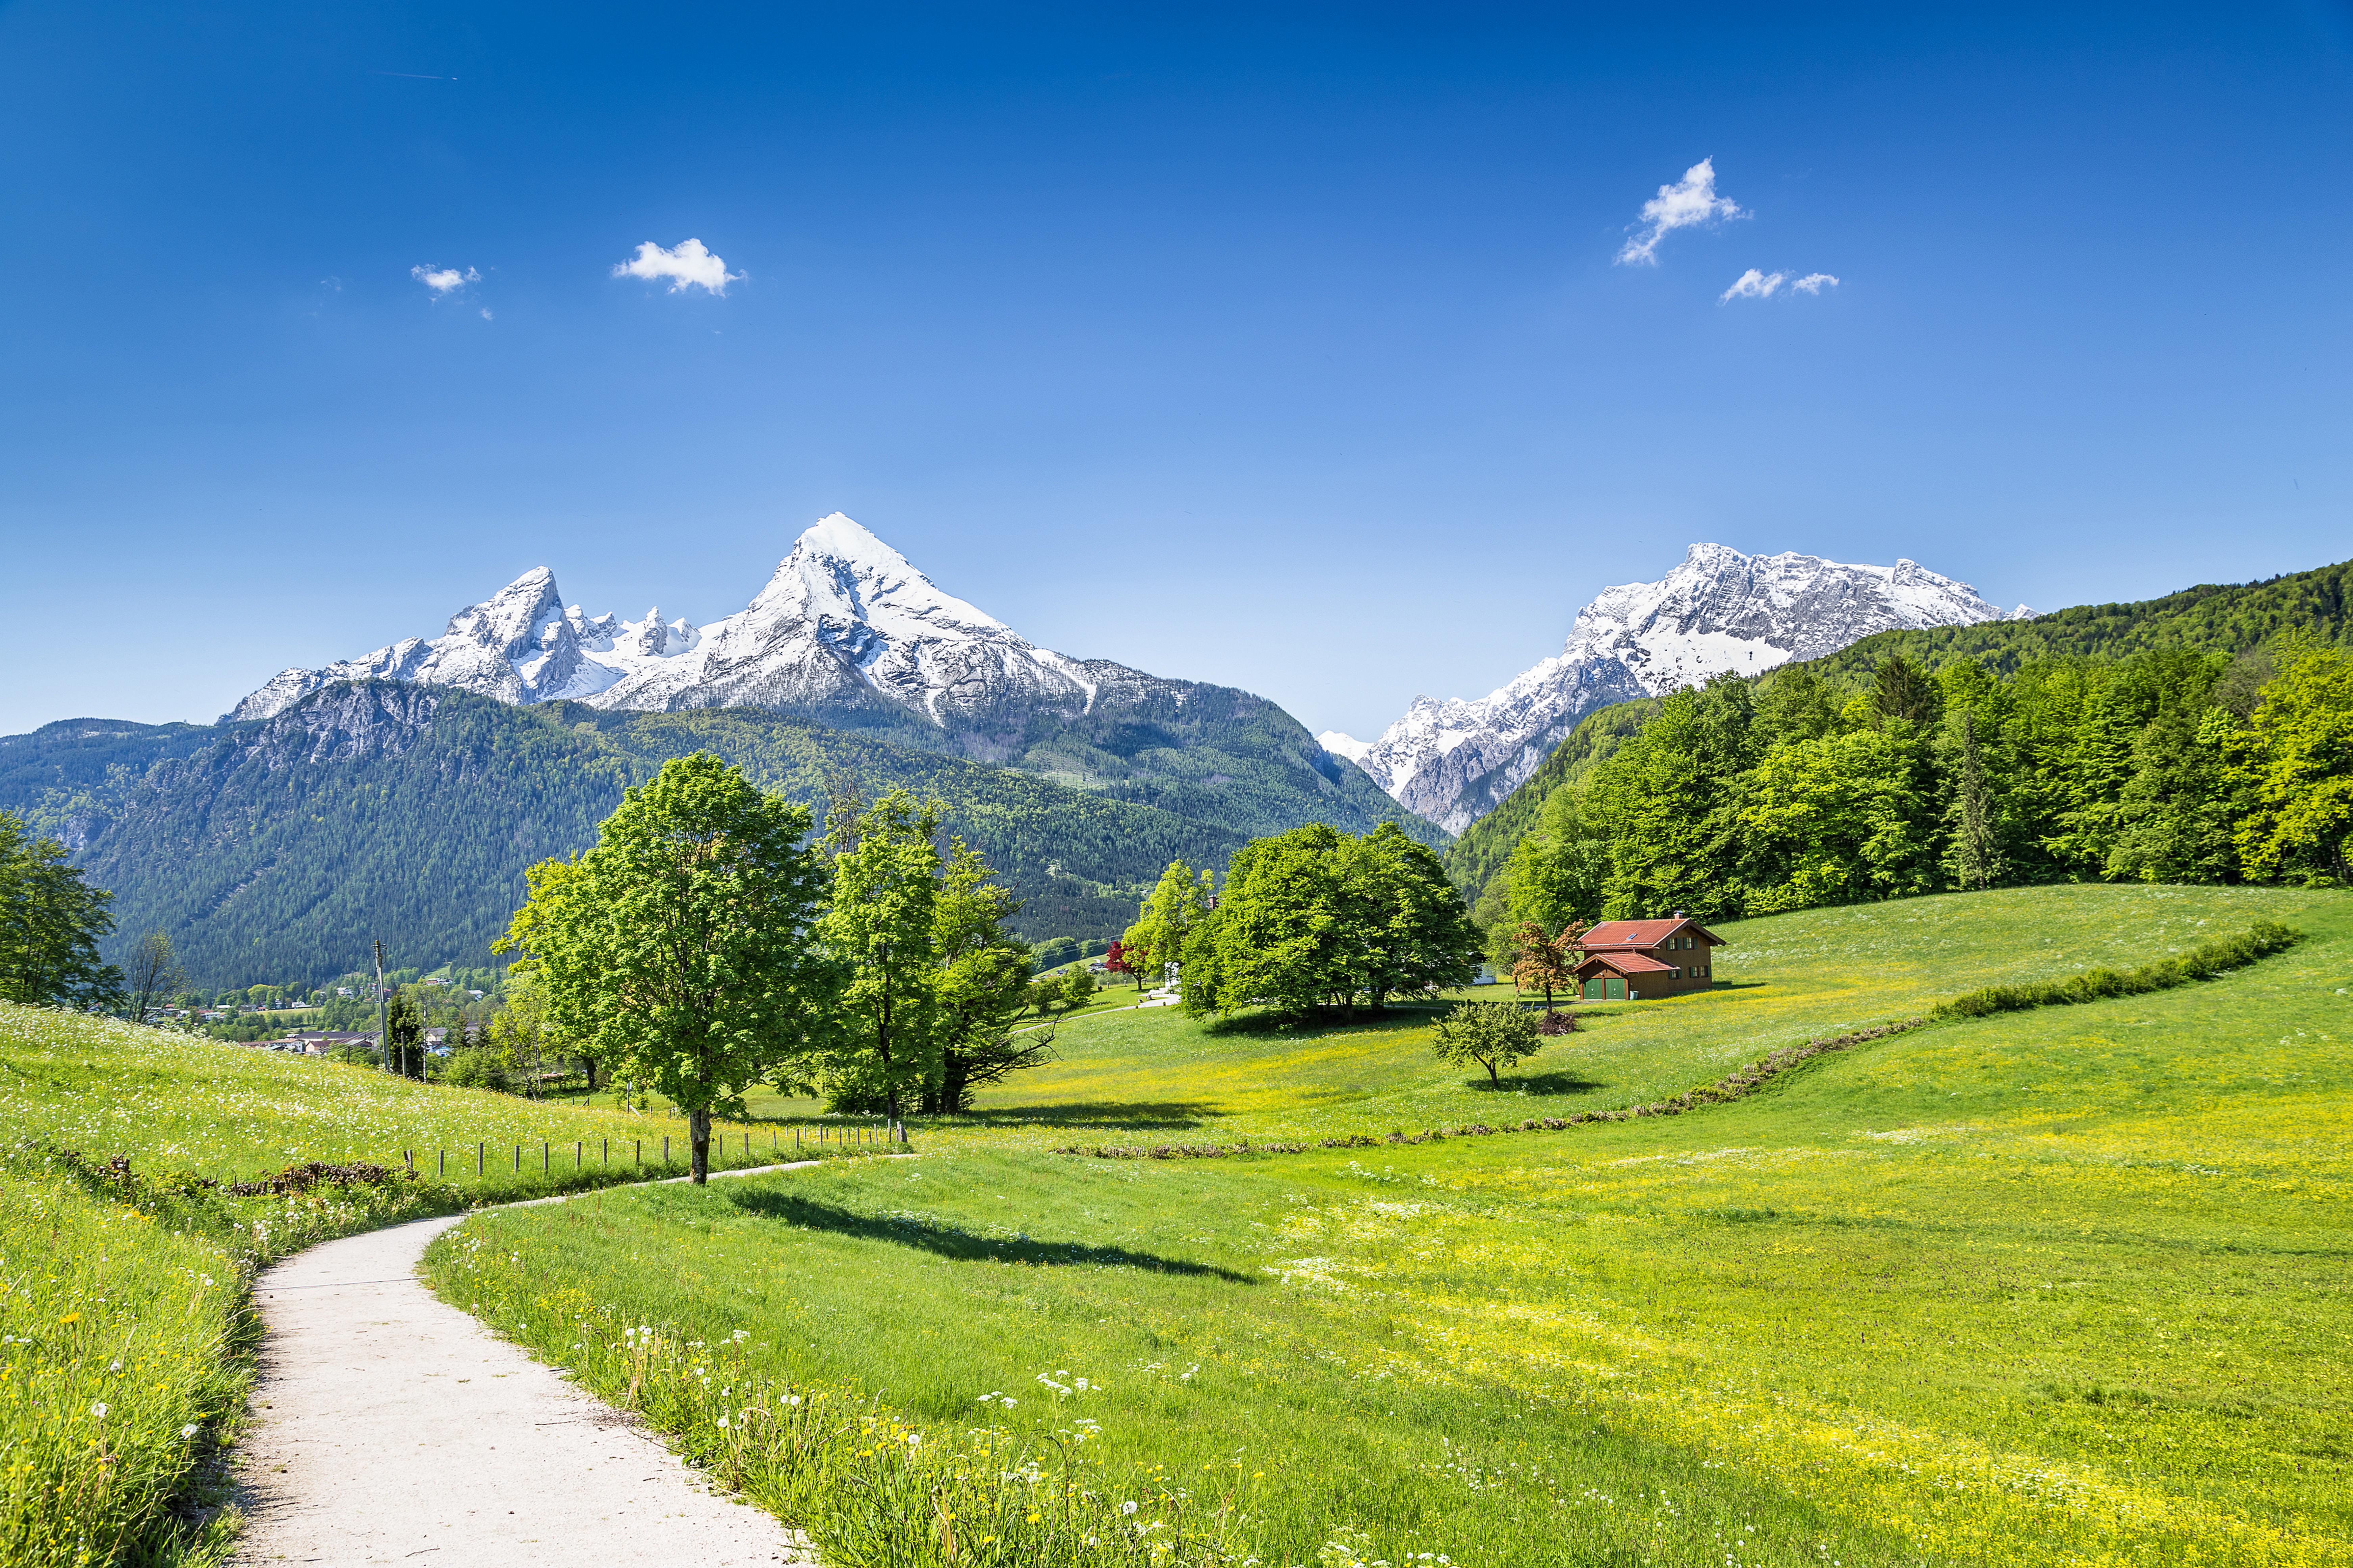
(383,1039)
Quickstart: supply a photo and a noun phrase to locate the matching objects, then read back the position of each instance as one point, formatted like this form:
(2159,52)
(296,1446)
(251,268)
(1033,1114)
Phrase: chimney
(1679,914)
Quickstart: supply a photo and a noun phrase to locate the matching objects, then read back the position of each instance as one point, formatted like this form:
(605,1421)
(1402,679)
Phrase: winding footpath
(388,1427)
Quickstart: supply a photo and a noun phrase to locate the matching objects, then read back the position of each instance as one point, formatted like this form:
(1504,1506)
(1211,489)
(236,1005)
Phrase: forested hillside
(2207,736)
(278,848)
(2216,618)
(2227,618)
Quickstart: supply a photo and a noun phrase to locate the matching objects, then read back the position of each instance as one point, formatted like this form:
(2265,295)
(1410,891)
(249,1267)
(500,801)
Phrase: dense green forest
(276,849)
(2227,619)
(1751,796)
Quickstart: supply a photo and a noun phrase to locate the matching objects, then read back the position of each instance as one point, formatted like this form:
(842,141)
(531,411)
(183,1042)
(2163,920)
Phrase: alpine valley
(401,794)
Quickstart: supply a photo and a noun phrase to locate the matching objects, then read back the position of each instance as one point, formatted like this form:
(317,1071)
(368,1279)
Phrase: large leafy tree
(882,924)
(983,986)
(679,950)
(1316,916)
(1409,927)
(51,922)
(1166,923)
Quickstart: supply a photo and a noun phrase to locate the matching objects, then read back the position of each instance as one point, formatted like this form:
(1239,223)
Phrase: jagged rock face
(847,622)
(1454,761)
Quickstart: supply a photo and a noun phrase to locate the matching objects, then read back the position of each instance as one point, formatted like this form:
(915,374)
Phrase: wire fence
(729,1151)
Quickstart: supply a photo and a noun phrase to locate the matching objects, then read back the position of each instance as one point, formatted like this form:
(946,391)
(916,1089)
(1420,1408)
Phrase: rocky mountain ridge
(1452,761)
(846,622)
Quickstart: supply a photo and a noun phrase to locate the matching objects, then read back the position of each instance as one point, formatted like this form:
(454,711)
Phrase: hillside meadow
(125,1338)
(2067,1286)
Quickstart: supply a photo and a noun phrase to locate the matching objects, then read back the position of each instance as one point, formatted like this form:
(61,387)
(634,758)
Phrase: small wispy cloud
(444,280)
(688,265)
(1755,285)
(486,312)
(1689,201)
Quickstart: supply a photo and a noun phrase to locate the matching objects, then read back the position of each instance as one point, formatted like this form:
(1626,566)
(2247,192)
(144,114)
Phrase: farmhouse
(1628,960)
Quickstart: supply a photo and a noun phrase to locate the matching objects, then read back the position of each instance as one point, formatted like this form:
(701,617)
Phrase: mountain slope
(848,634)
(279,847)
(1454,761)
(2219,617)
(2216,618)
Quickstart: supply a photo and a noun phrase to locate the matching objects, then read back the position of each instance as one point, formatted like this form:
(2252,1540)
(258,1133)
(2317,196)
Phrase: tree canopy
(51,921)
(1320,918)
(677,950)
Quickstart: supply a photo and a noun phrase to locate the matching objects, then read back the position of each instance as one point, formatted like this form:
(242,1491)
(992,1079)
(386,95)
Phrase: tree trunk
(590,1063)
(1492,1081)
(698,1132)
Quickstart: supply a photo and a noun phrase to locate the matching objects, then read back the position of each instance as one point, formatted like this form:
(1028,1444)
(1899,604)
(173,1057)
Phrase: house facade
(1629,960)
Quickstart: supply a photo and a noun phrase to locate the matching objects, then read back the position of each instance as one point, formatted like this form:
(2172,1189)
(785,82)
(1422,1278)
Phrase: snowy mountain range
(848,635)
(1454,761)
(846,622)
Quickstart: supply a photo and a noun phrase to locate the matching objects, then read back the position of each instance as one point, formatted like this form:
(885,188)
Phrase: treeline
(1749,796)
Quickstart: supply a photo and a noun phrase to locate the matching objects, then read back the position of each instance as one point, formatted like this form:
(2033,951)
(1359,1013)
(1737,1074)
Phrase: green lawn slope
(124,1333)
(2064,1287)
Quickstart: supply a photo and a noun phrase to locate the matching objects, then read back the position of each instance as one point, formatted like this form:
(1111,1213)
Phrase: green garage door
(1593,989)
(1617,992)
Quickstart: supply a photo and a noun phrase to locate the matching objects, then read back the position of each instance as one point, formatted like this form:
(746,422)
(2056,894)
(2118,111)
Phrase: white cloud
(442,280)
(1690,200)
(486,312)
(688,264)
(1753,285)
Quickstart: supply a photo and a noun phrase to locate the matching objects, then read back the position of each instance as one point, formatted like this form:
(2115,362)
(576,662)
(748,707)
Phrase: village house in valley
(1634,959)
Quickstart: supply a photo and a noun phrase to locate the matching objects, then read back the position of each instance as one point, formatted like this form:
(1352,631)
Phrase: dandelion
(99,1410)
(1127,1508)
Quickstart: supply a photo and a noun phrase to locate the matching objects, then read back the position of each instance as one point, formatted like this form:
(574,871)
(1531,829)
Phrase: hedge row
(1747,1082)
(2261,941)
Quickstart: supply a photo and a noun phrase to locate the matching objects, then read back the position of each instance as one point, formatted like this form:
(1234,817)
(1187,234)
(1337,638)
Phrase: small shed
(1633,959)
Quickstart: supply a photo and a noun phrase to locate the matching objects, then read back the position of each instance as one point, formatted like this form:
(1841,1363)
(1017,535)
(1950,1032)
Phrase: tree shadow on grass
(945,1239)
(1138,1116)
(1321,1021)
(1536,1083)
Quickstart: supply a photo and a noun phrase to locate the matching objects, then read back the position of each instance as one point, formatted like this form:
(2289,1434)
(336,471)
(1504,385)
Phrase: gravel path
(387,1426)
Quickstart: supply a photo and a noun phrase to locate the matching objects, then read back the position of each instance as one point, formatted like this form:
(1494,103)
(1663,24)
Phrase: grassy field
(2069,1286)
(1160,1076)
(124,1333)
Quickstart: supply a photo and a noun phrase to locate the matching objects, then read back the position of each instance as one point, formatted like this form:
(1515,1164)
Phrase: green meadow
(2067,1286)
(125,1336)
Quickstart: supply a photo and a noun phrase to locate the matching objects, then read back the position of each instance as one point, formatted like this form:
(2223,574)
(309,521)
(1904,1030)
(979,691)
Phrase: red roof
(1643,933)
(1625,964)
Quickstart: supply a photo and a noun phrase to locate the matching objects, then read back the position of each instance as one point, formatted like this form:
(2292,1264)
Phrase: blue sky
(1289,348)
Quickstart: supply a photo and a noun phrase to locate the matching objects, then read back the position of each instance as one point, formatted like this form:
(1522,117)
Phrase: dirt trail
(390,1427)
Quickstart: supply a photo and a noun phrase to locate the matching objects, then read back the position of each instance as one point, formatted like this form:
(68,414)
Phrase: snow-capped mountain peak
(845,618)
(1719,610)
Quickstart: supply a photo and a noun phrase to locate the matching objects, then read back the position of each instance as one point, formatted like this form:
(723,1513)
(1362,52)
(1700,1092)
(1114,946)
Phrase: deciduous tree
(1492,1034)
(679,950)
(984,987)
(51,921)
(881,923)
